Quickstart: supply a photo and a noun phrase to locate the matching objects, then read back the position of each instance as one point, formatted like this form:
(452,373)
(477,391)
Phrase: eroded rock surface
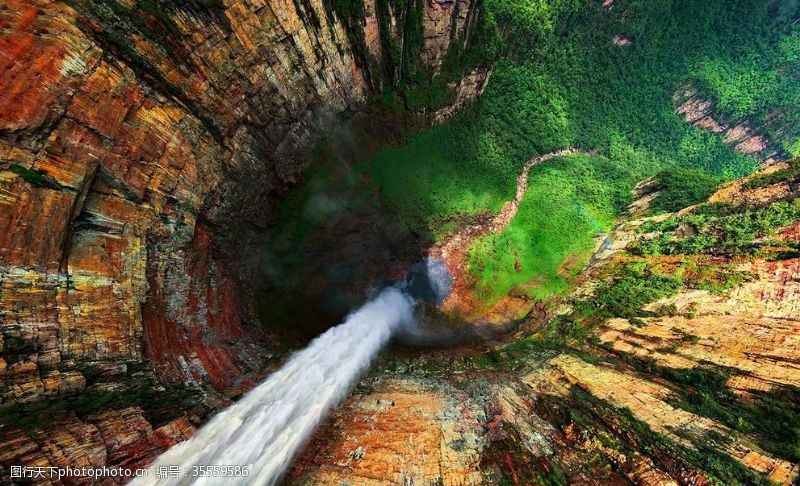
(141,147)
(402,431)
(618,405)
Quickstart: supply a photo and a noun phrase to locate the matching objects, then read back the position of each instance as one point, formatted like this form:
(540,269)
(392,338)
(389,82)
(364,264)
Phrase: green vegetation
(751,79)
(549,340)
(569,201)
(619,99)
(718,228)
(420,185)
(639,285)
(714,278)
(562,83)
(36,178)
(470,166)
(681,187)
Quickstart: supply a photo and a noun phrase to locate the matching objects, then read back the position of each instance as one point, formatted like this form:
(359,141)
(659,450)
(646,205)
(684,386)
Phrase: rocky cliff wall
(141,145)
(117,177)
(681,393)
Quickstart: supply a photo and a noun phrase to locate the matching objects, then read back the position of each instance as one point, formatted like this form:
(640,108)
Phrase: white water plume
(271,423)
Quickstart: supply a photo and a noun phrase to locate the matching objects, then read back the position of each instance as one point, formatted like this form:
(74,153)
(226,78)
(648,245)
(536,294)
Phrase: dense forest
(601,77)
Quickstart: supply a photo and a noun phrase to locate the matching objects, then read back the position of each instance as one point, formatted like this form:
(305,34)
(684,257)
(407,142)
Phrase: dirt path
(454,250)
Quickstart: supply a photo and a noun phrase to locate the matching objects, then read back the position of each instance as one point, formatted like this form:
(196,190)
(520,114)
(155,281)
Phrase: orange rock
(406,431)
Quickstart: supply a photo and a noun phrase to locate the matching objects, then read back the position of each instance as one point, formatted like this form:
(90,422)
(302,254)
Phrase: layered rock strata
(141,147)
(628,402)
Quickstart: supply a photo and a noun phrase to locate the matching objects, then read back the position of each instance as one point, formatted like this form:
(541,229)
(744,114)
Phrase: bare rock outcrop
(740,134)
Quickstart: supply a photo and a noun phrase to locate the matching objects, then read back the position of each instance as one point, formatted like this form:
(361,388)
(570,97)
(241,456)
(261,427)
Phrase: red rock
(124,214)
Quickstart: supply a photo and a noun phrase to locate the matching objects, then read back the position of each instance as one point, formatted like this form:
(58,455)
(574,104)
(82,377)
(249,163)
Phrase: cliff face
(137,144)
(669,367)
(141,145)
(115,180)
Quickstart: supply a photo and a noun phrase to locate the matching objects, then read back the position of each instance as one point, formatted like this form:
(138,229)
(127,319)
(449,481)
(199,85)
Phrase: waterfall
(272,422)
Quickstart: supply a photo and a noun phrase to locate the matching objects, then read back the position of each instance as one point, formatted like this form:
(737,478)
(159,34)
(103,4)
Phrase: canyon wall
(683,392)
(117,175)
(142,148)
(142,145)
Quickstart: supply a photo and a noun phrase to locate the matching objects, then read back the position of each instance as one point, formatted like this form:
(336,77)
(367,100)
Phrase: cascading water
(267,426)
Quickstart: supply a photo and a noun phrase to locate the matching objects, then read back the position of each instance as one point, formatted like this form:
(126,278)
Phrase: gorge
(207,208)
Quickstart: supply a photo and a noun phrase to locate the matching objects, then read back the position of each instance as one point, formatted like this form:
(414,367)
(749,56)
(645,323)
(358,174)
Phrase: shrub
(681,187)
(638,286)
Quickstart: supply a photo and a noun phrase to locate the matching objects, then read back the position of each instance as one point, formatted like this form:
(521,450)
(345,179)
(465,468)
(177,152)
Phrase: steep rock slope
(668,366)
(113,188)
(141,145)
